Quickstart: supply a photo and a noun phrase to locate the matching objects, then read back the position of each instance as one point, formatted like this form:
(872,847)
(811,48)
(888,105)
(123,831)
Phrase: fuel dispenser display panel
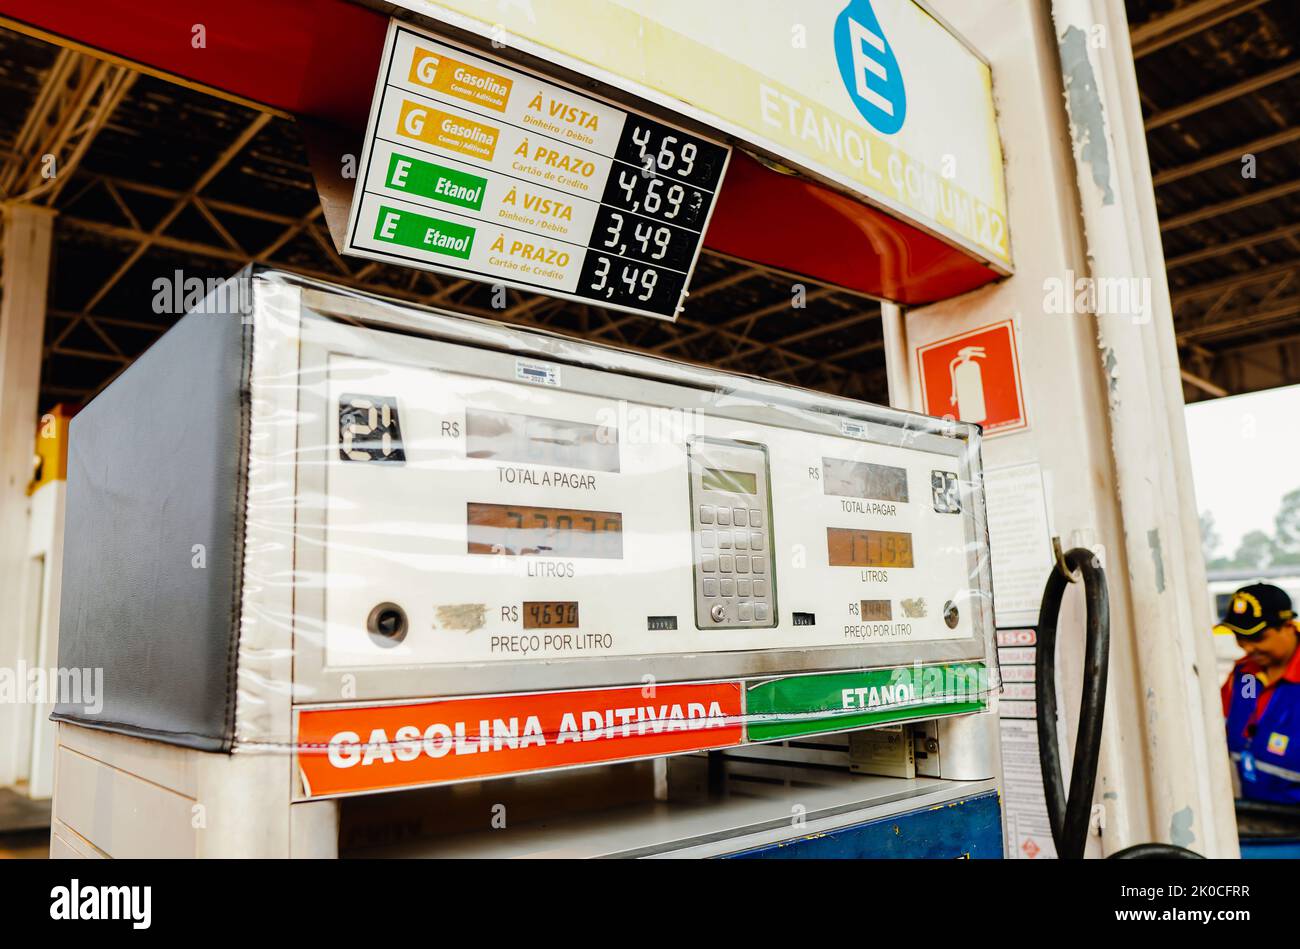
(450,549)
(518,521)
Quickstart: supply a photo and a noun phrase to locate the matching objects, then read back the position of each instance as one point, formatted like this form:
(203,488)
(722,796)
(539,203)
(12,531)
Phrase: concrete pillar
(898,363)
(26,268)
(1163,771)
(1139,358)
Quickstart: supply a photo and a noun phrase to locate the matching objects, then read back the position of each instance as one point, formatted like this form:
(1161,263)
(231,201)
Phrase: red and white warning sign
(975,377)
(345,750)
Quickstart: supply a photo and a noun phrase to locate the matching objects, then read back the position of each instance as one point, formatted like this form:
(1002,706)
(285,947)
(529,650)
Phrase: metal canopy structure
(162,181)
(157,177)
(1220,84)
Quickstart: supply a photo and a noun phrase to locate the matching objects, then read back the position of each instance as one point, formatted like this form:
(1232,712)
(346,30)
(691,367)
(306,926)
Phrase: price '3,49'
(627,280)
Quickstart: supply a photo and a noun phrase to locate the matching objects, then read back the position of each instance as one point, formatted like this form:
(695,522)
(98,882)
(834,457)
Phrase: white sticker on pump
(538,373)
(853,428)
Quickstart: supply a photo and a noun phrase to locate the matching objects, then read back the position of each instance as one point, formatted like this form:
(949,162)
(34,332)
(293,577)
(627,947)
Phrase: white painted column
(898,363)
(26,267)
(1105,422)
(1185,744)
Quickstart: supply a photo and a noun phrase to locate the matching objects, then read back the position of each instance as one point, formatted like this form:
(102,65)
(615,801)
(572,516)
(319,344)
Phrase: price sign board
(480,170)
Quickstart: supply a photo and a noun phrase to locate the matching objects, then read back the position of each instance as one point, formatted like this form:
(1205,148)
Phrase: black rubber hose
(1069,816)
(1155,852)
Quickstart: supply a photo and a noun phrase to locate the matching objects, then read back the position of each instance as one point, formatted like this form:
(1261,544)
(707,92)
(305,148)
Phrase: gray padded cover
(156,465)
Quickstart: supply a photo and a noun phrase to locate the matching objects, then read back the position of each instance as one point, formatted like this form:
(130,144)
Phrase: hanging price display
(475,169)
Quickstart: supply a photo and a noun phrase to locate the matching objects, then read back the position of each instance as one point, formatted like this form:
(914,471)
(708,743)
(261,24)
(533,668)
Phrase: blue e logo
(869,68)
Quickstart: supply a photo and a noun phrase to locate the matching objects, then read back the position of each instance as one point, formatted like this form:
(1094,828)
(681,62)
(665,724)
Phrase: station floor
(24,826)
(25,845)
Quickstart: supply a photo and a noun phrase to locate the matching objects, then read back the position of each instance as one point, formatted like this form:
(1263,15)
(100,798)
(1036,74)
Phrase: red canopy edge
(319,58)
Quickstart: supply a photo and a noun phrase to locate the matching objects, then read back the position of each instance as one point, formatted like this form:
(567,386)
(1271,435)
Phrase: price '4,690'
(656,197)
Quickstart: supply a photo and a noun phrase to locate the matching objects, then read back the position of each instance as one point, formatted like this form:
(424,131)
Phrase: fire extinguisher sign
(975,377)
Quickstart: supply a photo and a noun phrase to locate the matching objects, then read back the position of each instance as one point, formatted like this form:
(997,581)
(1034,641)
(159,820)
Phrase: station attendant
(1261,699)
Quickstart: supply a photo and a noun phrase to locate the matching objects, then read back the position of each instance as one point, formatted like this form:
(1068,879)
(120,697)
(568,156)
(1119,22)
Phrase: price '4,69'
(657,149)
(671,156)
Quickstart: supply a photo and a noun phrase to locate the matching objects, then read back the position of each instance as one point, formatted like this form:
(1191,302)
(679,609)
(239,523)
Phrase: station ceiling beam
(1184,22)
(1285,232)
(145,240)
(1181,295)
(75,101)
(1250,199)
(528,313)
(1221,96)
(1204,385)
(1258,318)
(1227,155)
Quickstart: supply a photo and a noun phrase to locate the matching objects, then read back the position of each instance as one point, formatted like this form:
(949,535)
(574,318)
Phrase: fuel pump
(411,553)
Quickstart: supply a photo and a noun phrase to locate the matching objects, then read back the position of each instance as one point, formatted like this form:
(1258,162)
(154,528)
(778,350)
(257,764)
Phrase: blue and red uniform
(1264,731)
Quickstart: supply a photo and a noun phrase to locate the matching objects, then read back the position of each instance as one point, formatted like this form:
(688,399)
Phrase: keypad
(733,557)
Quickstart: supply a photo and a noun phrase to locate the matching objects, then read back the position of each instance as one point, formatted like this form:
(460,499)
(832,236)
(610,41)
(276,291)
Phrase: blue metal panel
(970,827)
(1262,848)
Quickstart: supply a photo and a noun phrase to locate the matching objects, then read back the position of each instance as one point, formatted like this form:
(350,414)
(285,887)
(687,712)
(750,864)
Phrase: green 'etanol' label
(804,705)
(435,181)
(424,232)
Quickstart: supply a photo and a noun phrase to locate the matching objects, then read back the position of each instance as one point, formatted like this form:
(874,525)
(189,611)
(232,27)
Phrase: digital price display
(877,611)
(861,479)
(476,168)
(659,149)
(849,547)
(658,197)
(551,615)
(535,440)
(732,482)
(519,530)
(369,429)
